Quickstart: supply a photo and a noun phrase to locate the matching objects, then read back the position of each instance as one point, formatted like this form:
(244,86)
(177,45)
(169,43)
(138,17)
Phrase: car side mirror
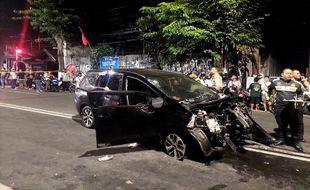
(157,102)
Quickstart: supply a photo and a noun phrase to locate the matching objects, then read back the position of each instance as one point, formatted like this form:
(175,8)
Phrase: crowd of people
(38,80)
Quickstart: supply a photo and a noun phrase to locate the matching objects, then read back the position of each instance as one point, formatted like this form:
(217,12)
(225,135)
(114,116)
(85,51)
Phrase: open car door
(120,122)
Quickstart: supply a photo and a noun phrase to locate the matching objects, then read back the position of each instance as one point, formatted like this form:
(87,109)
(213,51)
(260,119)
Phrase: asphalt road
(45,148)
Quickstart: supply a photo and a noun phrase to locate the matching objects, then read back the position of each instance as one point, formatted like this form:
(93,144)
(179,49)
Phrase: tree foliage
(53,19)
(183,28)
(101,49)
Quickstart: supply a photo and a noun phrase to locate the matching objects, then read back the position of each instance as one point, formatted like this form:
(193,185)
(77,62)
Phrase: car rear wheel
(88,117)
(175,146)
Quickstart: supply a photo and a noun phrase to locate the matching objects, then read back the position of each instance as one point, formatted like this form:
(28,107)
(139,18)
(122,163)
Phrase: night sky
(286,31)
(8,27)
(102,20)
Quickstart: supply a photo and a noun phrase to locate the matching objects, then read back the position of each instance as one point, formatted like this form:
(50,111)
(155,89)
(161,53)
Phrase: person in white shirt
(265,93)
(13,76)
(66,78)
(78,79)
(216,79)
(234,85)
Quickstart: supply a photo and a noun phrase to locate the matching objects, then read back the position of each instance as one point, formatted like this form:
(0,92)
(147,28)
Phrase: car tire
(88,117)
(175,146)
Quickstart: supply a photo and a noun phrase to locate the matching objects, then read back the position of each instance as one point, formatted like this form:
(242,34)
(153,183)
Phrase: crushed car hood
(206,104)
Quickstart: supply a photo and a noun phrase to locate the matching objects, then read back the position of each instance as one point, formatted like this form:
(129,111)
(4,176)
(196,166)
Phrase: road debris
(133,145)
(3,187)
(129,182)
(105,158)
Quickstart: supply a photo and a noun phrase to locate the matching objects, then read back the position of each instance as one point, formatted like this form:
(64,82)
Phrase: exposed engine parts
(228,127)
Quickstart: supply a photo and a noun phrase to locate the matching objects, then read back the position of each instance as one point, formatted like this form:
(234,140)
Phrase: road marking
(277,154)
(3,187)
(279,150)
(36,110)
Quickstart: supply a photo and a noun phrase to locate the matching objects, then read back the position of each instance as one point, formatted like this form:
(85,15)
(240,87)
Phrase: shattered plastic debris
(129,182)
(133,145)
(105,158)
(267,163)
(297,170)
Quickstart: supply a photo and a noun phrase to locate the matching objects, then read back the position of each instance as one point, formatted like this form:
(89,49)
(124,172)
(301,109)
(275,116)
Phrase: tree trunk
(59,41)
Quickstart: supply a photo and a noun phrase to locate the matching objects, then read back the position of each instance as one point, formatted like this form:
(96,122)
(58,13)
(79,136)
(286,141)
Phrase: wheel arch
(195,138)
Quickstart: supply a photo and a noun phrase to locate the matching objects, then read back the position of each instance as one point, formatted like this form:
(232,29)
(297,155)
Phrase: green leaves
(101,49)
(205,27)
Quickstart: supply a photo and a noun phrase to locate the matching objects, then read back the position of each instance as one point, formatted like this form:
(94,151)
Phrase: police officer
(297,78)
(286,91)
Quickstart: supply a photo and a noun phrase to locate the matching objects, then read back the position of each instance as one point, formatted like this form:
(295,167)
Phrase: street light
(17,51)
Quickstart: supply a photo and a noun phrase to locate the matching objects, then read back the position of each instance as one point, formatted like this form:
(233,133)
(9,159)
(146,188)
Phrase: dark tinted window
(103,80)
(110,81)
(139,98)
(115,82)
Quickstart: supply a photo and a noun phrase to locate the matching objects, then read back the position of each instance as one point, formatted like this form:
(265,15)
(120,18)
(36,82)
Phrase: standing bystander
(266,94)
(216,79)
(255,94)
(287,92)
(21,79)
(66,78)
(13,78)
(244,71)
(29,81)
(297,78)
(37,78)
(3,75)
(234,85)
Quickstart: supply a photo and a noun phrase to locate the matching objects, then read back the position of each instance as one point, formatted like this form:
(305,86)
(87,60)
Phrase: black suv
(130,105)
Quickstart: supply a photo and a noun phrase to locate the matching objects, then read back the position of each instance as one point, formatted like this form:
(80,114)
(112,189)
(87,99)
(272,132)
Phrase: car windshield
(181,87)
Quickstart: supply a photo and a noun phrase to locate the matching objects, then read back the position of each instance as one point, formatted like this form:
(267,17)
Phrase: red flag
(84,39)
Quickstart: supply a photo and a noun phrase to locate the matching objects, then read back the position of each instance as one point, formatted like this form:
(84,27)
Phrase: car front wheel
(175,146)
(88,117)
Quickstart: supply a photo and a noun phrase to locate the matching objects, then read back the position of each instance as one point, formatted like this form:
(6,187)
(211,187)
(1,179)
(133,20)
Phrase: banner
(109,62)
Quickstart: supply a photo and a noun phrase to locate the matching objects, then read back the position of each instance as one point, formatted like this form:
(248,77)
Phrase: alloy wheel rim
(88,117)
(175,147)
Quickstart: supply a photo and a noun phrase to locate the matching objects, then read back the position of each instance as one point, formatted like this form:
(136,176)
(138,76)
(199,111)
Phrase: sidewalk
(268,122)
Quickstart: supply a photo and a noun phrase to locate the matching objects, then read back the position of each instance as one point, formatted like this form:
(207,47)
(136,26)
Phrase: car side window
(103,79)
(110,81)
(89,81)
(115,82)
(137,85)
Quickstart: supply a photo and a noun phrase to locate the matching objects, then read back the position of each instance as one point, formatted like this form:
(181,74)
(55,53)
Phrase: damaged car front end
(212,119)
(224,123)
